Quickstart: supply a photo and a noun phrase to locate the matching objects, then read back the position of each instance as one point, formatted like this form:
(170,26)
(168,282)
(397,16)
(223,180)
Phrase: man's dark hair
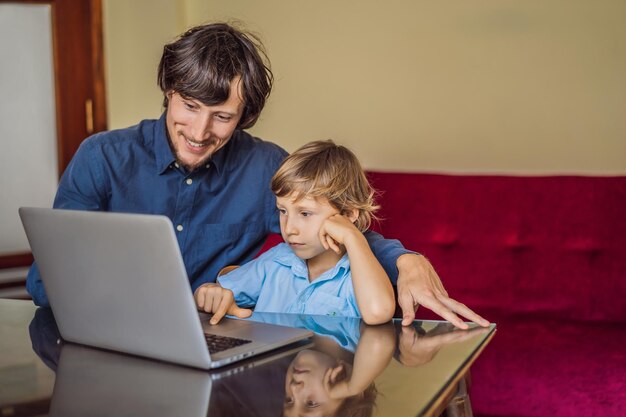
(202,62)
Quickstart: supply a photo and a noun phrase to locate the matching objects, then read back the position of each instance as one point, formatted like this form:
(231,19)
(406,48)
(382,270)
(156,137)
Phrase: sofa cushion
(551,247)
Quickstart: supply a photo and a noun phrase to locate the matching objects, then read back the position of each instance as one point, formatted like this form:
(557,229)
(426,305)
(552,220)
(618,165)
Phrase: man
(198,166)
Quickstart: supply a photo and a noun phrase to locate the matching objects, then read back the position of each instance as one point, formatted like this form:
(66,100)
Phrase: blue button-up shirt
(222,212)
(278,282)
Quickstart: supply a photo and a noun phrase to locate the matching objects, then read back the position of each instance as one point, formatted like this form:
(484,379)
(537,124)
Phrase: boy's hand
(337,230)
(212,298)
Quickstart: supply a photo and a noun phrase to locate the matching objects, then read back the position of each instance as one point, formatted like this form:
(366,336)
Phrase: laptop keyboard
(219,343)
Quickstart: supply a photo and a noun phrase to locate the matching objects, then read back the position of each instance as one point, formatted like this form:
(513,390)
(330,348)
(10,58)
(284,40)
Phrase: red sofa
(545,259)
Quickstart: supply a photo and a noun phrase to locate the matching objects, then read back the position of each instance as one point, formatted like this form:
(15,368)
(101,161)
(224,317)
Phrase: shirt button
(179,227)
(176,165)
(189,181)
(207,166)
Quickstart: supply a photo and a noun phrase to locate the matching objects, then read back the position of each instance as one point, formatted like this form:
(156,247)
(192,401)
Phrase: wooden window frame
(78,54)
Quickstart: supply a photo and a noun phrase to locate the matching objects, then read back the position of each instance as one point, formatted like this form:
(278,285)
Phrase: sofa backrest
(551,246)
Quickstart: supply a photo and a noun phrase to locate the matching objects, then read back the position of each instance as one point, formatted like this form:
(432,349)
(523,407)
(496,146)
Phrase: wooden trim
(28,1)
(79,69)
(13,288)
(29,408)
(57,92)
(98,66)
(15,260)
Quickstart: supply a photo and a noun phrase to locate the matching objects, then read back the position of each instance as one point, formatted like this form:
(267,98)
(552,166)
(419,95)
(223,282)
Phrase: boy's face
(307,385)
(300,223)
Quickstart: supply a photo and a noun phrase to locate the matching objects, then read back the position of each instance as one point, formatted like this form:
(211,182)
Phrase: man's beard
(192,167)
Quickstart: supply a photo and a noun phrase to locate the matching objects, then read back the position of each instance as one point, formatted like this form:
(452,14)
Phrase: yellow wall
(486,86)
(134,34)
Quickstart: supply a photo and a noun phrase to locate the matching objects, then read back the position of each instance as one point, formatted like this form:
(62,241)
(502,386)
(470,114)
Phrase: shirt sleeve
(82,187)
(35,288)
(387,251)
(247,281)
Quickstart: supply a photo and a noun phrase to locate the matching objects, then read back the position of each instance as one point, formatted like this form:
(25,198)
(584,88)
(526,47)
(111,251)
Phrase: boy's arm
(372,288)
(241,286)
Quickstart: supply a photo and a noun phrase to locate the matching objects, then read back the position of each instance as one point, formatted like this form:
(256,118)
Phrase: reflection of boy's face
(300,223)
(307,383)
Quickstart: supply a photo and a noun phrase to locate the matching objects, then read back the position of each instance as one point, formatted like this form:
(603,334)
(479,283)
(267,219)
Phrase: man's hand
(212,298)
(419,284)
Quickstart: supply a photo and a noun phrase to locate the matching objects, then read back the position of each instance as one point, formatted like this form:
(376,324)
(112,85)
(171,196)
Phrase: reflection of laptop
(117,281)
(90,381)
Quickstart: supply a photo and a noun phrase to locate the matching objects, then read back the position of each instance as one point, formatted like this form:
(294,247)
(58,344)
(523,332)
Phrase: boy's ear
(351,214)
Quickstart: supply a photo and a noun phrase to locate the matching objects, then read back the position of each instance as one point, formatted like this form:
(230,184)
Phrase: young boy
(325,266)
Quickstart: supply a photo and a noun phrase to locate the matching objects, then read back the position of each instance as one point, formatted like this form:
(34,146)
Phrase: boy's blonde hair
(324,169)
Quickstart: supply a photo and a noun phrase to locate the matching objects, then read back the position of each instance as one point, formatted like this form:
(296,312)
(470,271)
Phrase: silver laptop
(117,281)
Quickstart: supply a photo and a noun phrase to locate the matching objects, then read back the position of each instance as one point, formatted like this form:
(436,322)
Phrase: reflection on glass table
(348,369)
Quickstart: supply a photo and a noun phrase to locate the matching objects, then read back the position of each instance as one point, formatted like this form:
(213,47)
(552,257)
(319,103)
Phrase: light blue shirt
(278,282)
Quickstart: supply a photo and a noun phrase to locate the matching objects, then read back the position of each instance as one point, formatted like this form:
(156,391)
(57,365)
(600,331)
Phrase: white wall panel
(28,154)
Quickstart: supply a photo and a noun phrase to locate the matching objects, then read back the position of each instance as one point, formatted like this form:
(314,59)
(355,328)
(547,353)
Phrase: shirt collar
(162,151)
(339,269)
(298,266)
(218,160)
(165,157)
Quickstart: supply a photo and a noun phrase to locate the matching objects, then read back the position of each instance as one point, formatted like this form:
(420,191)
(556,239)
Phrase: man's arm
(418,283)
(35,288)
(387,251)
(82,187)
